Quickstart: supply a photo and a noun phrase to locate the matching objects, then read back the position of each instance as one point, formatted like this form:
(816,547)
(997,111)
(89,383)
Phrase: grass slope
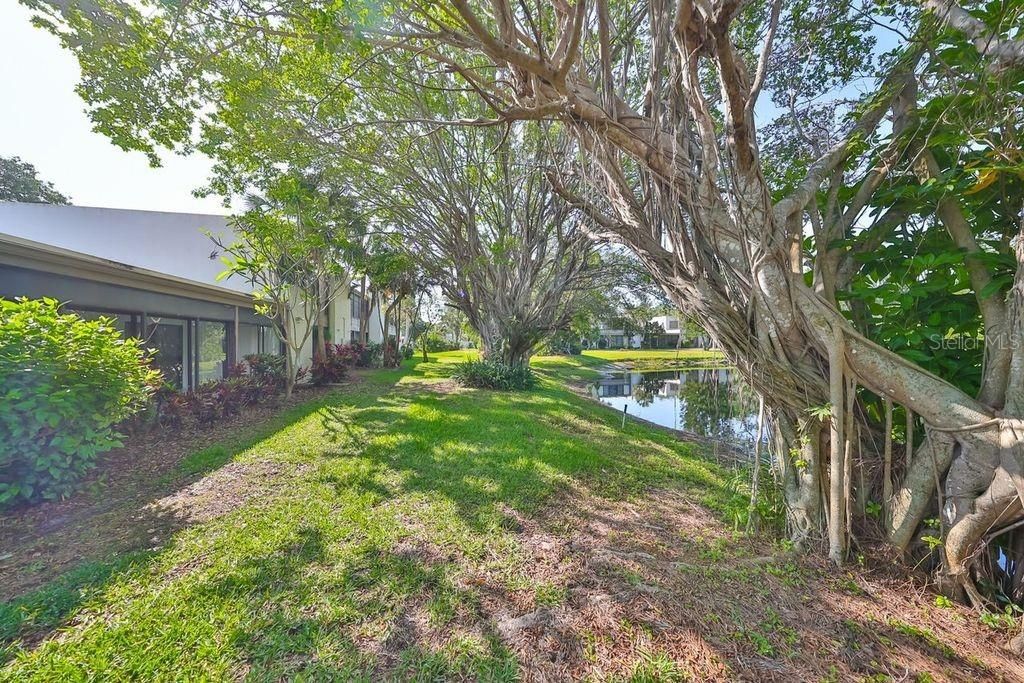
(402,528)
(297,580)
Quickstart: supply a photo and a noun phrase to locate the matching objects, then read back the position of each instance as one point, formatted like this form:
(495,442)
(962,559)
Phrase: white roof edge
(24,245)
(114,208)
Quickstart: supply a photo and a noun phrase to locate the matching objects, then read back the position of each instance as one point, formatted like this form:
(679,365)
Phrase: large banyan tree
(475,209)
(832,190)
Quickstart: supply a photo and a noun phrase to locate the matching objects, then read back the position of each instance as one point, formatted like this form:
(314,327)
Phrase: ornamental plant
(65,383)
(490,374)
(333,365)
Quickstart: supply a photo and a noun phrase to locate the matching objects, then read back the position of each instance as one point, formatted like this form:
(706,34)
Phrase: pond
(713,403)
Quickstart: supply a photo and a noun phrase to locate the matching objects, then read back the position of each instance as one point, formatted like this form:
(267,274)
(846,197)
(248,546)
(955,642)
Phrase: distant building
(156,274)
(610,337)
(669,338)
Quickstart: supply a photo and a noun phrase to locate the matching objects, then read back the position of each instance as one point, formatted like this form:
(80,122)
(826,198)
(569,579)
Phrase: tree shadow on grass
(466,448)
(58,556)
(364,616)
(481,466)
(655,584)
(349,575)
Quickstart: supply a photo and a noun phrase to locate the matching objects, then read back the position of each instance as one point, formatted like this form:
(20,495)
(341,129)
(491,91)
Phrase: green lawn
(401,528)
(390,494)
(648,359)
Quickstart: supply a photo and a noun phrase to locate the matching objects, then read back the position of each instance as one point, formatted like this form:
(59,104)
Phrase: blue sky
(43,122)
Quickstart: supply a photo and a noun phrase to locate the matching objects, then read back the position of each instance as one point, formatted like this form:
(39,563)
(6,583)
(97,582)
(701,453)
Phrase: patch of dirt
(129,503)
(224,490)
(658,582)
(444,386)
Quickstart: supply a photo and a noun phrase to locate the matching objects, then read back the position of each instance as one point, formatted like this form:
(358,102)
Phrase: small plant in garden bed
(65,383)
(266,367)
(486,374)
(333,366)
(383,355)
(259,379)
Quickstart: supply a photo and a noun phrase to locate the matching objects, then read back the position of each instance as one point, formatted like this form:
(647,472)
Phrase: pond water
(713,403)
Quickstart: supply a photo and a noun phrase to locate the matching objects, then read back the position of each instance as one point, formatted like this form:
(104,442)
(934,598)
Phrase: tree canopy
(20,182)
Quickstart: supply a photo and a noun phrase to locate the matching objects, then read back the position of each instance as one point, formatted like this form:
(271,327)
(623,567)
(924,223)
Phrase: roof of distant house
(175,244)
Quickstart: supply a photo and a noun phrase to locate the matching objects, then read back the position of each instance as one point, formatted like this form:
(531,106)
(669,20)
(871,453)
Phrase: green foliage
(266,366)
(657,667)
(567,342)
(381,355)
(435,341)
(924,635)
(770,508)
(20,183)
(1006,620)
(66,382)
(486,374)
(822,412)
(292,246)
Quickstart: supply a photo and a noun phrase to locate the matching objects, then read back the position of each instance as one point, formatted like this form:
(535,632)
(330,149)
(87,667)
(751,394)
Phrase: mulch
(114,510)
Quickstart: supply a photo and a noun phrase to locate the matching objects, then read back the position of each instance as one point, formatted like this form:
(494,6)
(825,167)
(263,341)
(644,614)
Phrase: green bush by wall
(64,383)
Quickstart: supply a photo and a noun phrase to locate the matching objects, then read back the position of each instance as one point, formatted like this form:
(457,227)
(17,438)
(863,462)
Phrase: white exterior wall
(669,323)
(607,333)
(339,317)
(341,324)
(374,332)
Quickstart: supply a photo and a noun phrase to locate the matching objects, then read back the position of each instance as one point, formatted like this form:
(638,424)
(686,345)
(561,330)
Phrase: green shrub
(562,343)
(436,342)
(64,383)
(485,374)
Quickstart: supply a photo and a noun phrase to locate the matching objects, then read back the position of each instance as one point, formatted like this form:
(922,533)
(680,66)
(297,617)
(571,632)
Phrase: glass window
(122,321)
(212,341)
(269,341)
(248,340)
(168,338)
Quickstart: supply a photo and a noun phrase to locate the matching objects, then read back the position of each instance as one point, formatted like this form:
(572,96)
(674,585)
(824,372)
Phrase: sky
(43,121)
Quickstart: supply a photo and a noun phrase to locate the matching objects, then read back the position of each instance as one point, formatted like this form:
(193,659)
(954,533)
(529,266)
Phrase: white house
(611,337)
(156,273)
(615,338)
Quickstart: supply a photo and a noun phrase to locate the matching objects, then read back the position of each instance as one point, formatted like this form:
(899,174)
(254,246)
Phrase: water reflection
(710,402)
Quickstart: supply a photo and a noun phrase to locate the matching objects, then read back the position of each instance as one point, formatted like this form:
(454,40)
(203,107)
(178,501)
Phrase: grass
(392,493)
(652,359)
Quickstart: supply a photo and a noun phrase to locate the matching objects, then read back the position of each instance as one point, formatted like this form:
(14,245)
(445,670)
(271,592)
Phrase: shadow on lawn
(373,619)
(505,450)
(463,450)
(331,601)
(109,529)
